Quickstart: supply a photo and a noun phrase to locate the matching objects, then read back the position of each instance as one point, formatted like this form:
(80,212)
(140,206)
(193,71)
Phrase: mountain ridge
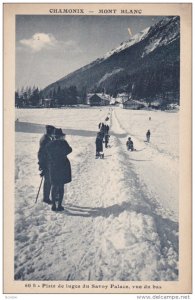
(147,65)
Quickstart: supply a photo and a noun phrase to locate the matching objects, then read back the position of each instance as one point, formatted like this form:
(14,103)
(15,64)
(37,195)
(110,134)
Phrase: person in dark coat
(59,167)
(107,128)
(102,129)
(42,161)
(99,143)
(106,138)
(101,126)
(129,144)
(148,135)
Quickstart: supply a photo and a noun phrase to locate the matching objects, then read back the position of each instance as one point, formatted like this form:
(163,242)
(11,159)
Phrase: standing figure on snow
(99,144)
(59,167)
(148,135)
(43,164)
(102,129)
(129,144)
(107,128)
(106,138)
(101,126)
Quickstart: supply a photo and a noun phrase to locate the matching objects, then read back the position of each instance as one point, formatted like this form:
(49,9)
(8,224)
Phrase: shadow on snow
(40,128)
(167,229)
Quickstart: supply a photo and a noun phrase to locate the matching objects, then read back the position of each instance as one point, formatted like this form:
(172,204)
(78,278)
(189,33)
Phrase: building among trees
(133,104)
(98,99)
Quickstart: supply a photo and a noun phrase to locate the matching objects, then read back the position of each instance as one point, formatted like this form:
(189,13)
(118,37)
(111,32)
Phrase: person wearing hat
(59,167)
(43,167)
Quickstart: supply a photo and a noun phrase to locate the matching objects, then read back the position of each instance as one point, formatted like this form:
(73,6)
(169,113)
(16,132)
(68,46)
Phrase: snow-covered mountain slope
(146,58)
(135,39)
(121,213)
(162,34)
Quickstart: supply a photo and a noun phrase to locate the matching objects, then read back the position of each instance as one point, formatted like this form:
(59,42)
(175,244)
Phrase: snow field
(156,163)
(115,225)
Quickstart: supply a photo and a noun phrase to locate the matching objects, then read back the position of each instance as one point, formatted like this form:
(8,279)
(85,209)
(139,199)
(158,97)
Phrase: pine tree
(29,92)
(17,99)
(83,94)
(35,97)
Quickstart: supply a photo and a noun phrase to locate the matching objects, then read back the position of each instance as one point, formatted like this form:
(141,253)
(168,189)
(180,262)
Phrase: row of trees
(33,97)
(28,96)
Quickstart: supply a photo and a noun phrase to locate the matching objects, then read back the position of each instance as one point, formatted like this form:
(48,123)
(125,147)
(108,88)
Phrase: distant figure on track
(107,128)
(59,167)
(148,135)
(102,129)
(106,138)
(100,125)
(149,118)
(129,144)
(99,144)
(42,161)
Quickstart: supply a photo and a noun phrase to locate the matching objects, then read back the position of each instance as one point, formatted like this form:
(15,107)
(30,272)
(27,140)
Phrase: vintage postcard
(97,148)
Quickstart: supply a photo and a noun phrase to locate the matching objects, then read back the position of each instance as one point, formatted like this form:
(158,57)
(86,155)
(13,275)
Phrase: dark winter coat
(44,141)
(129,144)
(58,163)
(107,128)
(99,144)
(148,133)
(107,138)
(103,130)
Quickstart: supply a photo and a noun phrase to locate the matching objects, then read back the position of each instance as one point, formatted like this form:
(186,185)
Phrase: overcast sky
(50,47)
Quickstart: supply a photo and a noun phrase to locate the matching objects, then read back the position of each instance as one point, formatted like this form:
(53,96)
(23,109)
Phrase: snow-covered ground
(121,213)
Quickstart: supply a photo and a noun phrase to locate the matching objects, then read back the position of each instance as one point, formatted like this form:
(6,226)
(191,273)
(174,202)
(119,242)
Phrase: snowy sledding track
(114,227)
(158,170)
